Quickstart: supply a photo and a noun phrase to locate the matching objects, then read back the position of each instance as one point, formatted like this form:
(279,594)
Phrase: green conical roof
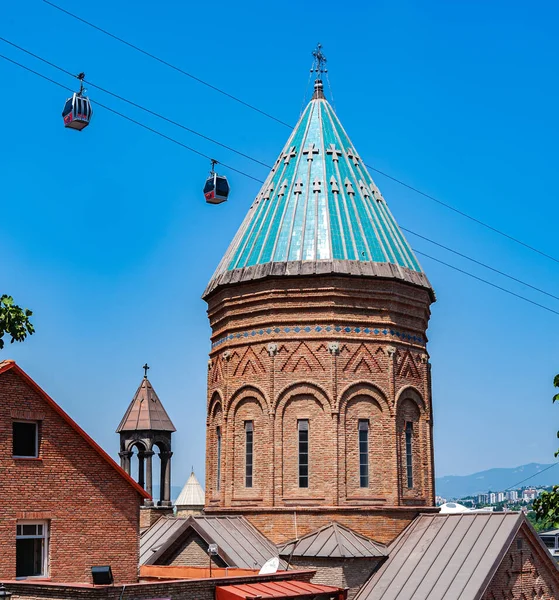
(319,211)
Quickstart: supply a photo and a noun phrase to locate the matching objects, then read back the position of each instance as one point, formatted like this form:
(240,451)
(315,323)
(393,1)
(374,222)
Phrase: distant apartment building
(483,499)
(492,498)
(501,496)
(439,500)
(529,494)
(512,495)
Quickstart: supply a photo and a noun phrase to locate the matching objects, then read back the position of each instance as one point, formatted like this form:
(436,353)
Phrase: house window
(249,432)
(303,429)
(409,453)
(218,478)
(25,436)
(363,428)
(31,549)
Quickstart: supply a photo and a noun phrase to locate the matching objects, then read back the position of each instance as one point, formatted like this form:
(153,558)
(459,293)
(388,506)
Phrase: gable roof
(334,541)
(319,211)
(450,557)
(145,412)
(10,365)
(239,543)
(192,494)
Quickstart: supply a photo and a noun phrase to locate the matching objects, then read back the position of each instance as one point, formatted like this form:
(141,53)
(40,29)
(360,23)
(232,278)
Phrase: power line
(151,112)
(116,112)
(167,64)
(487,282)
(477,262)
(532,476)
(252,107)
(259,180)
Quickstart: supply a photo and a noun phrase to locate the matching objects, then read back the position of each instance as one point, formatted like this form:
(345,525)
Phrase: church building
(319,390)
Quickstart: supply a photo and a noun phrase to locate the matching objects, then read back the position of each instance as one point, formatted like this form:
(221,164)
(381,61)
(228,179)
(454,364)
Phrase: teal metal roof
(318,211)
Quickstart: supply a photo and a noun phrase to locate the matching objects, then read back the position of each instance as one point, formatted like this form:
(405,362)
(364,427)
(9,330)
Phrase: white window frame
(36,423)
(45,549)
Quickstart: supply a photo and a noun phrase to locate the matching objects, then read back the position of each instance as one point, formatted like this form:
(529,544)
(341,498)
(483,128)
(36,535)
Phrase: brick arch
(410,392)
(302,388)
(364,388)
(244,392)
(215,401)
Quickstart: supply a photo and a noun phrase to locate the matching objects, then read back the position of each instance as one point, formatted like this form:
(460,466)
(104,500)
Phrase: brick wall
(91,510)
(527,572)
(192,589)
(332,350)
(192,552)
(349,573)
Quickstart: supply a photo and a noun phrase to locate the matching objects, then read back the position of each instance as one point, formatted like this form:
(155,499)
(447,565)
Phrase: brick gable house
(65,504)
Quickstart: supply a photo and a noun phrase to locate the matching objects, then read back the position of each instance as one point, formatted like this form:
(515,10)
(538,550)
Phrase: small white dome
(192,493)
(453,507)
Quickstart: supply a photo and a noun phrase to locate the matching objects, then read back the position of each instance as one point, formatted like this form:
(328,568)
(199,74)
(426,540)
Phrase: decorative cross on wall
(287,156)
(312,149)
(352,155)
(334,152)
(145,368)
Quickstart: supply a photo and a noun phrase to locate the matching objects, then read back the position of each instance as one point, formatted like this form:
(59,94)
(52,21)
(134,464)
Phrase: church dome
(318,212)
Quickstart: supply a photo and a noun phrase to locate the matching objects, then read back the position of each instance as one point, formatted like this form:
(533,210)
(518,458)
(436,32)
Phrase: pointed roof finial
(318,67)
(145,368)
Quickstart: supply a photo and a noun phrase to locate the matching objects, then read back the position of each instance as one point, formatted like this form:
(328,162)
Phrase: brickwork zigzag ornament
(302,360)
(406,365)
(217,371)
(362,361)
(249,364)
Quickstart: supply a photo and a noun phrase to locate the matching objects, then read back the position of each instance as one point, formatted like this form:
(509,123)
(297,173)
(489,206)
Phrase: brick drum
(331,349)
(92,511)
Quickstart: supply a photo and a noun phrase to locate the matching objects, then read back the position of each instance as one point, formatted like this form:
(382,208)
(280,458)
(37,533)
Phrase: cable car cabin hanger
(216,189)
(77,110)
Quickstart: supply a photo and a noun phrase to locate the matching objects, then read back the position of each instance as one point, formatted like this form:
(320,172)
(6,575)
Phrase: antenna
(270,566)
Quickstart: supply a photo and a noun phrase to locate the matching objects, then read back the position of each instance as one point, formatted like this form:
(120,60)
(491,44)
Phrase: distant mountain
(495,480)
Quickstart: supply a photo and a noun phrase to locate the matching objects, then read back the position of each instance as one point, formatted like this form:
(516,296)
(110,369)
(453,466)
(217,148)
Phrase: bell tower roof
(318,212)
(145,412)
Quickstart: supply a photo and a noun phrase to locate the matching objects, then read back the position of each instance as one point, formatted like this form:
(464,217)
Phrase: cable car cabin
(216,189)
(77,112)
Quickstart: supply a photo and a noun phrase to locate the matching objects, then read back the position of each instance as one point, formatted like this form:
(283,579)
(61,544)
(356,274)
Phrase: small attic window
(25,436)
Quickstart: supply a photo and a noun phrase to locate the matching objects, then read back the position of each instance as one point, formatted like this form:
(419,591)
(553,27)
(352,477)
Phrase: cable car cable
(167,64)
(260,181)
(116,112)
(151,112)
(231,96)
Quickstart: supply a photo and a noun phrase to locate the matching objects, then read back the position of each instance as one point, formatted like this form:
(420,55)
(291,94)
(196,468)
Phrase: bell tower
(319,386)
(146,427)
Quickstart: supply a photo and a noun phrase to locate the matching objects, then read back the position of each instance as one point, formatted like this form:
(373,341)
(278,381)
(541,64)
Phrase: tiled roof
(239,543)
(450,557)
(192,493)
(145,412)
(10,365)
(334,541)
(319,211)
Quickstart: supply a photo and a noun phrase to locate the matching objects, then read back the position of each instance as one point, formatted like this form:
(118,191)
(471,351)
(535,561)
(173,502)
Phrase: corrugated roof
(319,211)
(334,541)
(145,412)
(239,543)
(277,589)
(192,494)
(450,557)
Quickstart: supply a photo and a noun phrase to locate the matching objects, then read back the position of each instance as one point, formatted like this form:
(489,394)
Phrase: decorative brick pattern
(92,512)
(267,368)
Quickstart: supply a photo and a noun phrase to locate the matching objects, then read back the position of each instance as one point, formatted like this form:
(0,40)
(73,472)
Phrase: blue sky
(106,236)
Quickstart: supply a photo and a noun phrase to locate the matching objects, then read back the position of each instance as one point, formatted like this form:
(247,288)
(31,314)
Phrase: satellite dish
(270,566)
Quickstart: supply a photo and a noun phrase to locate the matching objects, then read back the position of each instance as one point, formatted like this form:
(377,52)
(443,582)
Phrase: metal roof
(278,589)
(450,557)
(240,544)
(192,494)
(145,412)
(319,211)
(334,541)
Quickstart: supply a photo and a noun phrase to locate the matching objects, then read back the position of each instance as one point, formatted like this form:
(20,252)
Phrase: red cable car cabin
(77,112)
(216,189)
